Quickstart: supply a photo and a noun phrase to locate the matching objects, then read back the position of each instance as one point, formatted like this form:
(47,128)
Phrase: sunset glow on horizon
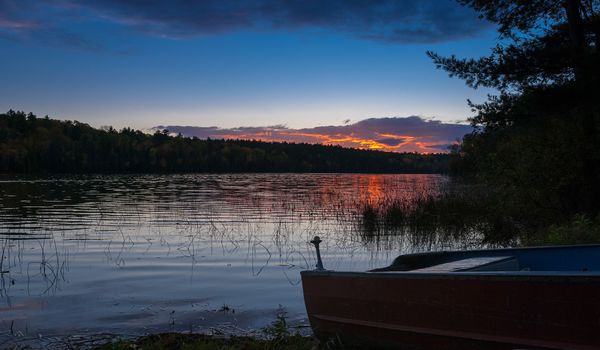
(409,134)
(408,145)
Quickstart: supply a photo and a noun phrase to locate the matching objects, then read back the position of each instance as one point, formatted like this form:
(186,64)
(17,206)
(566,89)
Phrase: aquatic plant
(451,216)
(470,216)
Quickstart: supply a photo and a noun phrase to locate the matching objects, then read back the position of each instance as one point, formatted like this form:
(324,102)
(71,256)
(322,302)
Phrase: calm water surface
(145,253)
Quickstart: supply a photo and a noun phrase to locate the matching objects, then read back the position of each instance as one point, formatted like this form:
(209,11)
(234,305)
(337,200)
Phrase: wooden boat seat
(483,263)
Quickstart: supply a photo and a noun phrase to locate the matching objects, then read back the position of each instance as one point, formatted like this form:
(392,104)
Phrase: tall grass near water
(471,216)
(449,217)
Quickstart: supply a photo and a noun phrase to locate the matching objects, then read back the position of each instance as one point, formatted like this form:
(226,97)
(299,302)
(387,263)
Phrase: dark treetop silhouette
(537,142)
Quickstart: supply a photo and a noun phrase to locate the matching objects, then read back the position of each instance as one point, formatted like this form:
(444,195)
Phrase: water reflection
(374,189)
(139,253)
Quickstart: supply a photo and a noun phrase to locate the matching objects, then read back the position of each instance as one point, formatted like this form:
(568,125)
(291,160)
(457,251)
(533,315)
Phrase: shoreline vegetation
(33,145)
(474,214)
(191,341)
(277,336)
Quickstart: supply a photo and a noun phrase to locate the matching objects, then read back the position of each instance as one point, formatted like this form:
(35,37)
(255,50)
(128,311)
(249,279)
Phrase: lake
(132,254)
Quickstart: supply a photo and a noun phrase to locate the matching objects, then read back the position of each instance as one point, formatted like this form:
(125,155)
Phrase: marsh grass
(477,216)
(470,217)
(277,336)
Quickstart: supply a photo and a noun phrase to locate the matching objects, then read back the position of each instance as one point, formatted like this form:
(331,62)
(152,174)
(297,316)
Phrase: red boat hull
(455,311)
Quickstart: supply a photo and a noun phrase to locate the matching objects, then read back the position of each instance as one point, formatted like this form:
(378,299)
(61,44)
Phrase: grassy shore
(277,336)
(208,342)
(479,216)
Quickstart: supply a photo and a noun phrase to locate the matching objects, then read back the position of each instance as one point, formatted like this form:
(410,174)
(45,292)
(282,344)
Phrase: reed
(472,216)
(449,216)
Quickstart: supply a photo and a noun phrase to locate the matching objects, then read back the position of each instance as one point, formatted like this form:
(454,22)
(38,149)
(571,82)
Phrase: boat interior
(581,258)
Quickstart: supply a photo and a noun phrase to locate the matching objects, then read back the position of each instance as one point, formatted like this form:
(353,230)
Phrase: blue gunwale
(574,262)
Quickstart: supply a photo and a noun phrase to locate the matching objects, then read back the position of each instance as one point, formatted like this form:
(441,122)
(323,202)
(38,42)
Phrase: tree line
(29,144)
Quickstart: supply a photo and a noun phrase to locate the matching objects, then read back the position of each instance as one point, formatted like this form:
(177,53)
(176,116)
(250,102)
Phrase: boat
(512,298)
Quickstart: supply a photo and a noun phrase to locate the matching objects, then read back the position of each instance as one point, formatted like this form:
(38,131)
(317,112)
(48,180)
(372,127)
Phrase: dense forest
(536,148)
(29,144)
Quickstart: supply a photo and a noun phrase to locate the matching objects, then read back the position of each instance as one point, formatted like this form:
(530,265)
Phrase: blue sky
(148,63)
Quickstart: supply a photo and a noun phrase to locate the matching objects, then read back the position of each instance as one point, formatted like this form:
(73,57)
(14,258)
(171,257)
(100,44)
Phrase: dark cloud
(410,134)
(392,142)
(404,21)
(49,23)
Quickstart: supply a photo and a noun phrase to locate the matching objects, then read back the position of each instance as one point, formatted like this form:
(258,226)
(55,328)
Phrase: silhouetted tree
(537,141)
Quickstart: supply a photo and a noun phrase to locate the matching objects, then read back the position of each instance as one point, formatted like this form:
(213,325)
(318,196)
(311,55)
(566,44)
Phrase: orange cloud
(411,134)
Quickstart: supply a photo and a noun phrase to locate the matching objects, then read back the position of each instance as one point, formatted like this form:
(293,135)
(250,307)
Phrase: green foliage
(579,230)
(32,145)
